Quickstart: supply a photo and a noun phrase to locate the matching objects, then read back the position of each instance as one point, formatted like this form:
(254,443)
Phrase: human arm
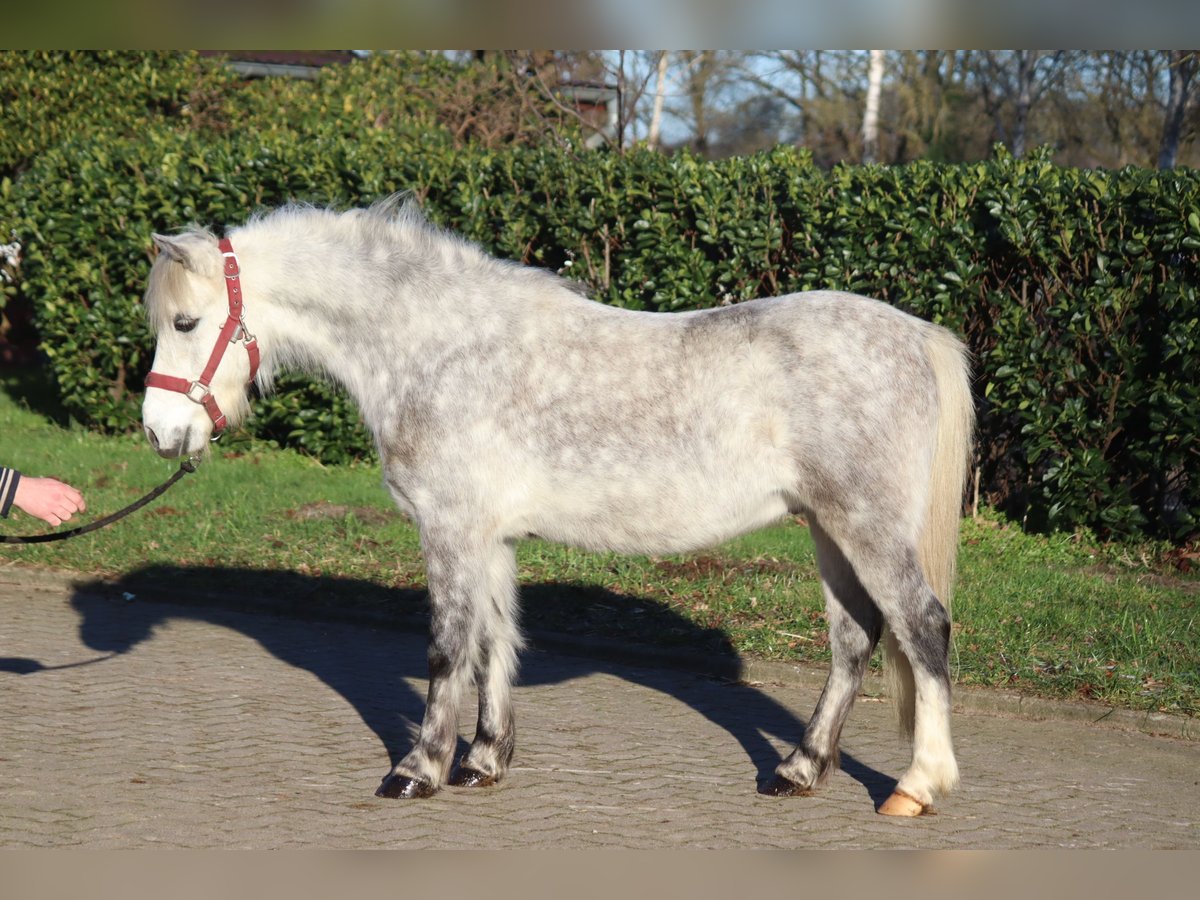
(44,498)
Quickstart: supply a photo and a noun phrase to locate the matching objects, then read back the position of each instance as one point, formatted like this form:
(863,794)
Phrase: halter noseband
(234,329)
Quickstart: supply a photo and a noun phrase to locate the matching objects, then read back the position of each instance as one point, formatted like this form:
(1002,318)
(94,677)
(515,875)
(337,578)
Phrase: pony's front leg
(469,582)
(495,731)
(500,639)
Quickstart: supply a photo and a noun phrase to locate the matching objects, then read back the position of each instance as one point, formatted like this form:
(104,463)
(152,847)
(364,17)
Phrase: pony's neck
(348,305)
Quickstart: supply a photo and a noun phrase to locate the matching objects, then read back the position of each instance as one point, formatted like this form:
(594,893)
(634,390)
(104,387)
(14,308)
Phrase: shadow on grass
(30,385)
(369,668)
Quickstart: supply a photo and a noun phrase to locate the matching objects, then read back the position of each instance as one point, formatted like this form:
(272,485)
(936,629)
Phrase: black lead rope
(186,467)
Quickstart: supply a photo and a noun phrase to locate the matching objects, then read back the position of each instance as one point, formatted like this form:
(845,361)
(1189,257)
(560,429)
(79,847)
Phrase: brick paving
(138,723)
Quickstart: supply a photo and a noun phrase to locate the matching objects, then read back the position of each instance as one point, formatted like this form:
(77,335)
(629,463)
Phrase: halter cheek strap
(234,329)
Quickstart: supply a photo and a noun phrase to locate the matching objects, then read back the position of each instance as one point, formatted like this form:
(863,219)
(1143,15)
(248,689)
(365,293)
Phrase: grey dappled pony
(506,405)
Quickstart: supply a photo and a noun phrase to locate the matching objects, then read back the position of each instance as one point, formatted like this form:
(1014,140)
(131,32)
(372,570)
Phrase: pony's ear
(197,252)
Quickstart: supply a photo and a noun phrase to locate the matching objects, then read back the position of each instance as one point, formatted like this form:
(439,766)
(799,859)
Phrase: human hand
(48,499)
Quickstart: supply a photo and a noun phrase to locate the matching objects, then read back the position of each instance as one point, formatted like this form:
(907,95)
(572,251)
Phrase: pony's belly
(662,526)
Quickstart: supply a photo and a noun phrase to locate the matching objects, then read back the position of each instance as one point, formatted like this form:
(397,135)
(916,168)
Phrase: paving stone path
(137,723)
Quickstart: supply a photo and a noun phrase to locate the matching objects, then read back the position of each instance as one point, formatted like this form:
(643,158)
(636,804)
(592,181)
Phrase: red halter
(234,329)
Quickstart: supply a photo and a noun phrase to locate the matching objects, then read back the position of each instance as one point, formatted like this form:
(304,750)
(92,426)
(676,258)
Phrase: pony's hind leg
(920,628)
(465,589)
(854,628)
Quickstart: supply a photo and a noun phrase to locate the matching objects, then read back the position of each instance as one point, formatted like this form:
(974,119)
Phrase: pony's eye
(185,323)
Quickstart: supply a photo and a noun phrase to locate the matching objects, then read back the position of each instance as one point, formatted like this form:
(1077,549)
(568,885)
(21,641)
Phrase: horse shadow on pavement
(371,675)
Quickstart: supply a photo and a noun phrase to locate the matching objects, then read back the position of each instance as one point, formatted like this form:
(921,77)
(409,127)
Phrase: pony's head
(187,307)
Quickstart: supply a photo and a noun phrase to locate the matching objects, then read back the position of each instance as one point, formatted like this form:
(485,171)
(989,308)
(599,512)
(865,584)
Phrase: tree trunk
(1026,67)
(699,71)
(870,127)
(1181,67)
(654,138)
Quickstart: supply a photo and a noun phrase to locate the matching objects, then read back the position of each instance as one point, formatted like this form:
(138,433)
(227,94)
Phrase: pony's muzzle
(169,451)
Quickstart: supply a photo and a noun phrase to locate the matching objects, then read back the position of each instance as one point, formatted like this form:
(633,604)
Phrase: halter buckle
(197,391)
(241,334)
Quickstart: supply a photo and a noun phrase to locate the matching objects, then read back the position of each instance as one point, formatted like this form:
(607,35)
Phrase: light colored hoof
(903,805)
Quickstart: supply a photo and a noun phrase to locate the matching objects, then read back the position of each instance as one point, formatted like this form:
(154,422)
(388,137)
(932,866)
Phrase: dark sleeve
(9,479)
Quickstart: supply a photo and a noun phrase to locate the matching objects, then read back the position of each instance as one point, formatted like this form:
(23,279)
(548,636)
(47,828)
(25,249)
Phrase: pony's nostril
(152,437)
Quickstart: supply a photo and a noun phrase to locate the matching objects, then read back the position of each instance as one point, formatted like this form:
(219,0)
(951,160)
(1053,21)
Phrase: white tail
(938,546)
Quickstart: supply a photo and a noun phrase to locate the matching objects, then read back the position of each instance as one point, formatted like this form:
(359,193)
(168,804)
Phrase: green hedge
(47,97)
(1076,289)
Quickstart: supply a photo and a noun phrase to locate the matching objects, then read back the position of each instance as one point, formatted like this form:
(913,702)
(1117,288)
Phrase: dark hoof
(401,787)
(468,777)
(784,787)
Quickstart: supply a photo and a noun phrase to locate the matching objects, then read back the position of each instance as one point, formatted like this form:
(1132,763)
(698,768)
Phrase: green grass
(1061,615)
